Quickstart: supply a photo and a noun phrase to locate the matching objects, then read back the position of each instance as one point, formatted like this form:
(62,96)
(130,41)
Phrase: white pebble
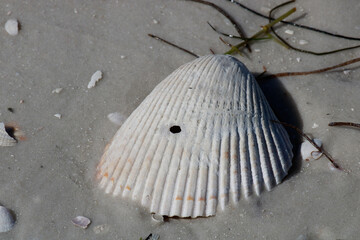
(95,78)
(315,125)
(57,90)
(116,118)
(257,50)
(346,72)
(155,21)
(288,31)
(12,27)
(122,56)
(7,220)
(352,109)
(298,59)
(309,152)
(303,42)
(58,115)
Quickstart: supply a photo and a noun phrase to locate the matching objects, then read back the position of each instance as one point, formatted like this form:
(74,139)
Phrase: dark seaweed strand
(225,14)
(299,49)
(287,74)
(312,143)
(295,24)
(172,44)
(350,124)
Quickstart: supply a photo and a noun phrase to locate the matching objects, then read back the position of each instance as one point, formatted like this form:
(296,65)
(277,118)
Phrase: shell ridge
(213,178)
(192,94)
(177,195)
(189,193)
(160,196)
(149,192)
(143,149)
(122,129)
(150,151)
(123,164)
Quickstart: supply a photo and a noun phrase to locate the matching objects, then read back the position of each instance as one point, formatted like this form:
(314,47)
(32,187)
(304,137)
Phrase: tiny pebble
(122,56)
(303,42)
(116,118)
(57,90)
(12,27)
(288,31)
(58,115)
(155,21)
(315,125)
(95,78)
(346,72)
(21,101)
(257,50)
(298,59)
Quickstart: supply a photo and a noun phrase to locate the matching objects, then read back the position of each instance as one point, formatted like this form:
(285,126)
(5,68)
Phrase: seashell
(203,137)
(309,152)
(5,139)
(7,221)
(97,76)
(81,221)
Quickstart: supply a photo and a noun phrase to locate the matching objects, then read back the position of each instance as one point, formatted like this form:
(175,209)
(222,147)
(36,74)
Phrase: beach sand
(49,179)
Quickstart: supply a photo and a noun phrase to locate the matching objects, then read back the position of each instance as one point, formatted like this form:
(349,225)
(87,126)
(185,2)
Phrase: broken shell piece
(12,27)
(5,139)
(97,76)
(203,138)
(57,115)
(309,152)
(81,221)
(57,90)
(7,221)
(157,217)
(116,118)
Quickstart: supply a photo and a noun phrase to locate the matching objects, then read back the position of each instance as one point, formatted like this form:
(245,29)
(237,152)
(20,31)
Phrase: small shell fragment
(309,152)
(116,118)
(7,221)
(97,76)
(5,139)
(157,217)
(303,42)
(57,115)
(288,31)
(57,90)
(12,27)
(81,221)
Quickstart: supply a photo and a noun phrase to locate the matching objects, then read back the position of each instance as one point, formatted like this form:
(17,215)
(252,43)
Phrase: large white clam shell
(202,137)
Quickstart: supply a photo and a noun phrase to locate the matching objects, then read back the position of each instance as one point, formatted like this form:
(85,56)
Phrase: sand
(49,179)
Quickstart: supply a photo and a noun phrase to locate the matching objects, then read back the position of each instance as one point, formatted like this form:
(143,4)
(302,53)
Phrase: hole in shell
(175,129)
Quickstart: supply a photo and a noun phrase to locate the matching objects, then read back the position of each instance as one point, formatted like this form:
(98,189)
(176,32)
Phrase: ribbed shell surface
(227,147)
